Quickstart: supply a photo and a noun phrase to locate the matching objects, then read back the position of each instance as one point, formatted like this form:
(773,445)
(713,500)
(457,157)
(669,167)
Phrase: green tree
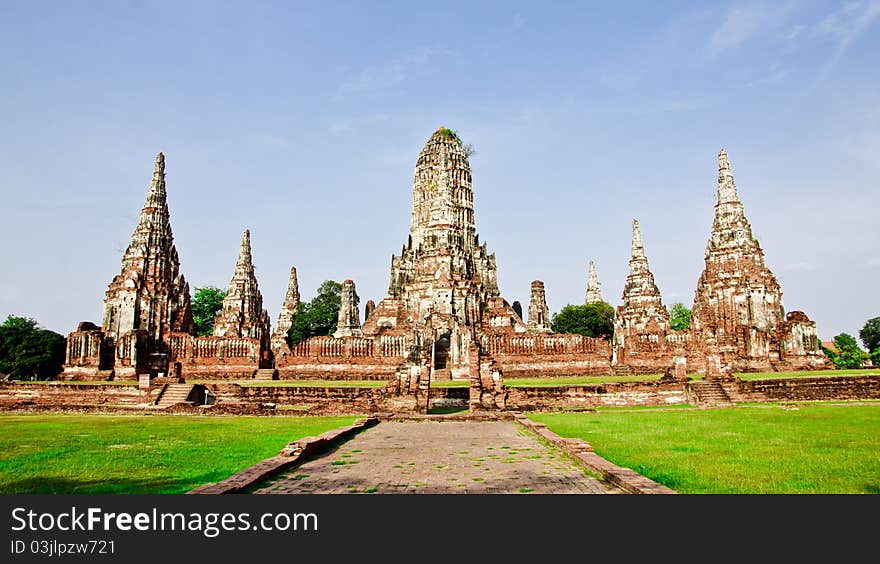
(848,353)
(591,320)
(319,316)
(870,334)
(206,302)
(26,351)
(679,316)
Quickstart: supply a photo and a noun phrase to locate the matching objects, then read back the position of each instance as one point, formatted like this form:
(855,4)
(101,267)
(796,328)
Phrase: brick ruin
(738,317)
(444,316)
(641,322)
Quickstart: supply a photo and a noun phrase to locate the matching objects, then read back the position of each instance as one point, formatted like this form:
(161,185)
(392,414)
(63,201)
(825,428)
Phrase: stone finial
(368,309)
(288,310)
(638,249)
(539,313)
(156,196)
(244,254)
(348,323)
(723,162)
(594,295)
(726,184)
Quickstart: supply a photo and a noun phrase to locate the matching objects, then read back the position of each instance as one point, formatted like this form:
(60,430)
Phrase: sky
(302,122)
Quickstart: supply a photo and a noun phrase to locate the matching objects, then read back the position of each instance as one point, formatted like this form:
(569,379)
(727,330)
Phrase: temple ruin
(444,316)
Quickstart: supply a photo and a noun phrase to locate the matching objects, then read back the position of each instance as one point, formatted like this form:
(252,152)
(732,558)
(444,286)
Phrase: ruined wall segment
(539,313)
(348,323)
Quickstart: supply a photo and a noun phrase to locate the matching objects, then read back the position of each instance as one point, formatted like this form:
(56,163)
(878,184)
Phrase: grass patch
(830,449)
(575,381)
(308,383)
(79,383)
(803,374)
(139,453)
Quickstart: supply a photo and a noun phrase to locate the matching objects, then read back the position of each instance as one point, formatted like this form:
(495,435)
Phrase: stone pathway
(440,458)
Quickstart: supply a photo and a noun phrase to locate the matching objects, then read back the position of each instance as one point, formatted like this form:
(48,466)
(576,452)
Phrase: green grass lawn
(807,448)
(311,383)
(139,453)
(803,374)
(79,382)
(576,380)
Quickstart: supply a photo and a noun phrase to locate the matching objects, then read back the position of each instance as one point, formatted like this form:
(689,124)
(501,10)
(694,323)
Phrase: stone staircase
(622,370)
(173,394)
(266,374)
(709,392)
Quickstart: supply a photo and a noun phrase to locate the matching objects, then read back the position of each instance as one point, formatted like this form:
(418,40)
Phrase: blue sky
(303,121)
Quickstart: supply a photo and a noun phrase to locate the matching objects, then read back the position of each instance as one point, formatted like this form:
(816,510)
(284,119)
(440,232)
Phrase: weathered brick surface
(805,389)
(545,398)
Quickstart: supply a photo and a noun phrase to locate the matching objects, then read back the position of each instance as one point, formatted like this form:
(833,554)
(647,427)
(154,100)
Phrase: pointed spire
(726,185)
(288,310)
(150,268)
(594,294)
(156,195)
(638,250)
(243,314)
(244,254)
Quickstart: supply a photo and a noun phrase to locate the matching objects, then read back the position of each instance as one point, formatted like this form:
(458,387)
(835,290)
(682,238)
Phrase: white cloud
(873,262)
(844,26)
(742,23)
(387,75)
(794,32)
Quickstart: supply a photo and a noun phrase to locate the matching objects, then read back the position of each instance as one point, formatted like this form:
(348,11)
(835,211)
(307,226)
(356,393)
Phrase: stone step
(266,374)
(621,370)
(708,392)
(173,394)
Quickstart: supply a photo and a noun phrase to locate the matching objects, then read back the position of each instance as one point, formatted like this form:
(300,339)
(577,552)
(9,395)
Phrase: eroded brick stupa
(443,280)
(738,301)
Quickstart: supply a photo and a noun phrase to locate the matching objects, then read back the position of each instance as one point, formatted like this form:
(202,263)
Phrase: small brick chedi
(444,316)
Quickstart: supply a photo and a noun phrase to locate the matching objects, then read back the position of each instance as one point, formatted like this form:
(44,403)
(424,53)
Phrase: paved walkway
(440,458)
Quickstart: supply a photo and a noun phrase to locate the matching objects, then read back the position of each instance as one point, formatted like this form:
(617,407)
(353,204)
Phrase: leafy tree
(26,351)
(319,316)
(870,334)
(679,316)
(206,302)
(848,353)
(591,320)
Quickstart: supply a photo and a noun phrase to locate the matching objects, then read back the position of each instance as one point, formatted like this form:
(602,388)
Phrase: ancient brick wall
(806,389)
(48,395)
(612,394)
(535,355)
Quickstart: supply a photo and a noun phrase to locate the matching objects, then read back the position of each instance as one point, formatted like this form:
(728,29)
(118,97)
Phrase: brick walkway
(440,457)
